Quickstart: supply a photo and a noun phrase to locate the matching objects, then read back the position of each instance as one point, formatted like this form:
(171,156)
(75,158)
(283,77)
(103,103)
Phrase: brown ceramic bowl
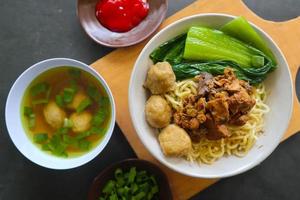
(101,35)
(108,173)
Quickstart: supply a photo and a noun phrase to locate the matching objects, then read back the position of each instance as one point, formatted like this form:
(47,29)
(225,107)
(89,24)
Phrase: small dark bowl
(108,173)
(101,35)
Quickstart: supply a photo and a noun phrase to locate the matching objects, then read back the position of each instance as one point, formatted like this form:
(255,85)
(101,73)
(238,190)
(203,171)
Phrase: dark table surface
(33,30)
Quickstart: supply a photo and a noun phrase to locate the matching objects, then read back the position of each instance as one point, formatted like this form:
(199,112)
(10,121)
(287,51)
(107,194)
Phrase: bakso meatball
(160,78)
(158,111)
(81,121)
(78,98)
(174,141)
(54,115)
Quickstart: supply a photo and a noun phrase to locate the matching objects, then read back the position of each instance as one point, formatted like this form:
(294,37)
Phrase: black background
(33,30)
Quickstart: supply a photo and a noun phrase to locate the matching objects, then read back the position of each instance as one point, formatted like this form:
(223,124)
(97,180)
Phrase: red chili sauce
(121,15)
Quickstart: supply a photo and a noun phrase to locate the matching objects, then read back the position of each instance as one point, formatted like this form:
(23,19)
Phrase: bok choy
(208,50)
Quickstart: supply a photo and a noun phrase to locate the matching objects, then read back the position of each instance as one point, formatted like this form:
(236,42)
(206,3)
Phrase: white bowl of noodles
(278,87)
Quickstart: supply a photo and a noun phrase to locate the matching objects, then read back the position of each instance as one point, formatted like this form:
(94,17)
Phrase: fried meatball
(54,115)
(78,98)
(160,78)
(174,141)
(81,121)
(158,111)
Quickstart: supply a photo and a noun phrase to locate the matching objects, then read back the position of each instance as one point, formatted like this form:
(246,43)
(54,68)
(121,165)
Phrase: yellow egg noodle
(242,138)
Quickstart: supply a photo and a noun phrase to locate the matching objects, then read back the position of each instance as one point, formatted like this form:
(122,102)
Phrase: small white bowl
(280,99)
(17,132)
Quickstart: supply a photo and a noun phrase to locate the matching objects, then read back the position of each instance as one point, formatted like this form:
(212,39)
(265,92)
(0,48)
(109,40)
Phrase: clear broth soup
(65,111)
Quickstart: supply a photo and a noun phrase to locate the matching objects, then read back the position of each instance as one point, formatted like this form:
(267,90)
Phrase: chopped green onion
(62,131)
(73,85)
(75,73)
(83,135)
(59,100)
(69,140)
(124,186)
(108,188)
(67,123)
(28,112)
(39,88)
(45,147)
(83,105)
(84,145)
(99,117)
(68,95)
(139,196)
(43,100)
(93,92)
(132,174)
(113,197)
(40,137)
(31,123)
(134,188)
(103,101)
(39,101)
(57,146)
(97,130)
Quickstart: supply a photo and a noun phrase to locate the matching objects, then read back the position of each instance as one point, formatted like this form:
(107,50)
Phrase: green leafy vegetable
(83,105)
(125,186)
(209,44)
(40,137)
(207,50)
(242,30)
(165,50)
(189,70)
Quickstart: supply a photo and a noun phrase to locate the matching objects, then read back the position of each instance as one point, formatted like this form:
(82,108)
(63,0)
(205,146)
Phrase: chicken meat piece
(160,78)
(54,115)
(204,83)
(174,141)
(240,102)
(238,120)
(196,135)
(219,109)
(158,112)
(247,86)
(81,121)
(193,113)
(215,131)
(233,86)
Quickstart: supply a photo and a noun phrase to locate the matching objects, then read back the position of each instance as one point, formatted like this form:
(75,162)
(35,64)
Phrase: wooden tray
(116,69)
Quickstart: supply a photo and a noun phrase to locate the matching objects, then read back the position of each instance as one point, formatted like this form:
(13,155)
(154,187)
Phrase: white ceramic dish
(14,124)
(280,99)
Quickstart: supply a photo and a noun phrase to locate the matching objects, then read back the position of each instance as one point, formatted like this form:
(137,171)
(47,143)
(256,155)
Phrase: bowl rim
(171,166)
(125,44)
(152,165)
(85,68)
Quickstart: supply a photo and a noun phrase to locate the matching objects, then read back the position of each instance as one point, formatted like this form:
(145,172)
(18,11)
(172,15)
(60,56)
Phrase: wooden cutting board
(116,68)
